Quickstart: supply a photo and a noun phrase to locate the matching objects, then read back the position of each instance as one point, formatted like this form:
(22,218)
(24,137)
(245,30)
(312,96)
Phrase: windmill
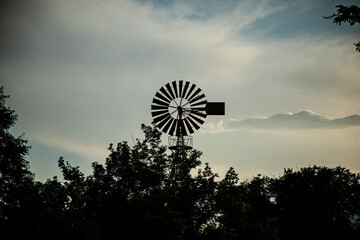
(178,109)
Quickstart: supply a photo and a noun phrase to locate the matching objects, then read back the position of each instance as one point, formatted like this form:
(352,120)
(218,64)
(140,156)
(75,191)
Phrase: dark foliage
(141,192)
(16,181)
(349,14)
(318,203)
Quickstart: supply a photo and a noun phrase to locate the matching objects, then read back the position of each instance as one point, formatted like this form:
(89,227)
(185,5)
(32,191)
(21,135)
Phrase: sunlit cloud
(217,127)
(295,121)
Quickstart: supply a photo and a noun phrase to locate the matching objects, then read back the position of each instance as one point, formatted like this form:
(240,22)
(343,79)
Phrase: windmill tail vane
(179,109)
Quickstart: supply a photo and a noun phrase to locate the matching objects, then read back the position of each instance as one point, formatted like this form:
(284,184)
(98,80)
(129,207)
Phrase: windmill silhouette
(179,109)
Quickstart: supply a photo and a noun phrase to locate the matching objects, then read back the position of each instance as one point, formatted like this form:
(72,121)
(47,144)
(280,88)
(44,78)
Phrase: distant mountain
(352,120)
(301,120)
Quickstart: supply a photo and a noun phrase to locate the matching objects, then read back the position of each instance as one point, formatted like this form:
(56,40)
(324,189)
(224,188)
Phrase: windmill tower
(179,109)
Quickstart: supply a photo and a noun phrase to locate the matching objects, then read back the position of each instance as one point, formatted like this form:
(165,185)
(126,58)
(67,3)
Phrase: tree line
(143,192)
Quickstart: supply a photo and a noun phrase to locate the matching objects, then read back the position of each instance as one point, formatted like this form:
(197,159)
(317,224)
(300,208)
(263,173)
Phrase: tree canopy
(144,192)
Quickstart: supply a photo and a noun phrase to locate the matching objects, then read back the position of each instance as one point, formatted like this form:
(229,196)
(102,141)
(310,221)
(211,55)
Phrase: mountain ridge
(305,119)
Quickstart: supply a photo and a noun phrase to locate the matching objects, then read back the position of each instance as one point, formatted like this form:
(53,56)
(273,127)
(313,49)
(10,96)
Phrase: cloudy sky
(82,74)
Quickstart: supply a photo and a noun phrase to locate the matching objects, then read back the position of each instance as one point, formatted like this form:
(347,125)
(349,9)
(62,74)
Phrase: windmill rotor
(179,108)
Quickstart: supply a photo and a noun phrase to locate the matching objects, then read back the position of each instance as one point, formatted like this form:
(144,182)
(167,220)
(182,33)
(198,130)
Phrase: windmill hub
(179,109)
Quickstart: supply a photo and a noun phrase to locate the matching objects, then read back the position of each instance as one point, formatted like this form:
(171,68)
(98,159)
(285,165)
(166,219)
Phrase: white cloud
(217,127)
(302,120)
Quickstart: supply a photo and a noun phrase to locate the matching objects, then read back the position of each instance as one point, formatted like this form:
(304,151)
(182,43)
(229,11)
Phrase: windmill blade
(165,93)
(198,113)
(198,109)
(162,123)
(157,101)
(173,126)
(166,128)
(180,128)
(193,123)
(190,91)
(199,103)
(156,107)
(160,118)
(196,119)
(175,88)
(157,113)
(170,91)
(185,89)
(197,98)
(180,88)
(183,129)
(162,97)
(188,126)
(195,93)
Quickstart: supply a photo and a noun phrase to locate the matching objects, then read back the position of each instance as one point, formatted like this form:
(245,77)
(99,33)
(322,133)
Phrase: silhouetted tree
(53,210)
(18,198)
(142,192)
(262,214)
(318,203)
(244,211)
(349,14)
(232,207)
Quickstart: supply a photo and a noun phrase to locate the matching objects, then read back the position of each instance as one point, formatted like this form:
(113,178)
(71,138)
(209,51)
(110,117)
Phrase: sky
(82,75)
